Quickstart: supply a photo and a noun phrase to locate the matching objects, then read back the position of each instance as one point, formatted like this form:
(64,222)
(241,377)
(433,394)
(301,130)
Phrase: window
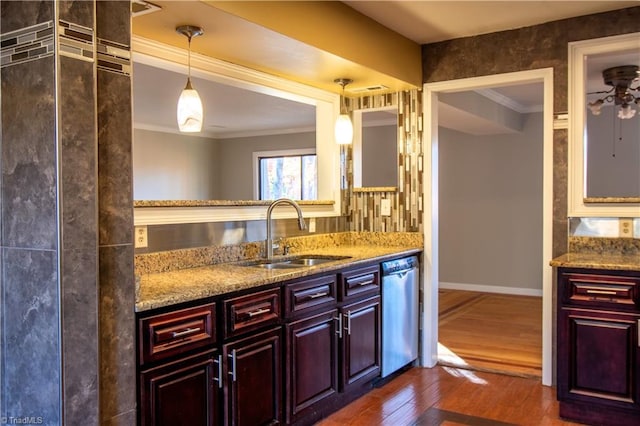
(287,175)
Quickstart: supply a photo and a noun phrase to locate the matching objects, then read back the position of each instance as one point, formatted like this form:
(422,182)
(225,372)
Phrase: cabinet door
(253,375)
(360,342)
(598,358)
(312,362)
(180,393)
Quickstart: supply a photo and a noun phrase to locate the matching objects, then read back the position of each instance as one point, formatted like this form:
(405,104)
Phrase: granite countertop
(168,288)
(623,262)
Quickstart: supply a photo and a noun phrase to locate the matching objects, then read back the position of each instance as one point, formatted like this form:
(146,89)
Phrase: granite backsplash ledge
(598,245)
(166,261)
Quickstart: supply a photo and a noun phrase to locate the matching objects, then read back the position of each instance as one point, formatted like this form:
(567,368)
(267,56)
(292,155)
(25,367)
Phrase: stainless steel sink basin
(310,261)
(275,265)
(293,262)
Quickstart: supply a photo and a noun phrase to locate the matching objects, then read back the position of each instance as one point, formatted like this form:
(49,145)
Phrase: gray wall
(490,207)
(613,155)
(236,171)
(380,156)
(169,166)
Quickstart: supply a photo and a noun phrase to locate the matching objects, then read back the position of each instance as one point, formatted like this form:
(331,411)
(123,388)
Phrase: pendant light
(343,130)
(189,104)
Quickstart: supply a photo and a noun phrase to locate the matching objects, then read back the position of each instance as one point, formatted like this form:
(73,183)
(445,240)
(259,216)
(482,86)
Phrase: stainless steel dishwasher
(399,313)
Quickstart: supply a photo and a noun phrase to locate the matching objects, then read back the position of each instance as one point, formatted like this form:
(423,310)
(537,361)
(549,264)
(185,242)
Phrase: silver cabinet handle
(184,332)
(316,295)
(219,378)
(232,373)
(348,326)
(339,328)
(258,312)
(602,292)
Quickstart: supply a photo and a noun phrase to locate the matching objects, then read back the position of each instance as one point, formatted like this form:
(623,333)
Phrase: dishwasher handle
(392,267)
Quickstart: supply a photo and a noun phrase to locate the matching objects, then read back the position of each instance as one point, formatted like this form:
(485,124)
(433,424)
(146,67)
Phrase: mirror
(217,163)
(375,148)
(246,112)
(604,150)
(613,143)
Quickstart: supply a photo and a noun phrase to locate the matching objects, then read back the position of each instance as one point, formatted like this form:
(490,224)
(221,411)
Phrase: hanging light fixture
(189,104)
(343,130)
(620,78)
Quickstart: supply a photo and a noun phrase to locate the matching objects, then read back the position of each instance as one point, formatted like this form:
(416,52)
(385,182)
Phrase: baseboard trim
(491,289)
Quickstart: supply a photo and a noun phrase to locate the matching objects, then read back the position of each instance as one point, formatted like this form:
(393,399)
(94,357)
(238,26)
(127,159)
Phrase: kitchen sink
(293,262)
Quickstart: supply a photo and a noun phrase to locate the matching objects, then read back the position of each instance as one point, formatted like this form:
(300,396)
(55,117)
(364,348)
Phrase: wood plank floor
(498,341)
(451,396)
(490,332)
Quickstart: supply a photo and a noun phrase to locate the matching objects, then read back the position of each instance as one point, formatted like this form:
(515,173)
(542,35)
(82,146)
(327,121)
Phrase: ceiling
(431,21)
(237,40)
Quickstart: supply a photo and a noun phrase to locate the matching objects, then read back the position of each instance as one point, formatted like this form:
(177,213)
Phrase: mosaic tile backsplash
(362,206)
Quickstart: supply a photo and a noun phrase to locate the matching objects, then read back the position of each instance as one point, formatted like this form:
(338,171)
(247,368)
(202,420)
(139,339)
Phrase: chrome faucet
(301,223)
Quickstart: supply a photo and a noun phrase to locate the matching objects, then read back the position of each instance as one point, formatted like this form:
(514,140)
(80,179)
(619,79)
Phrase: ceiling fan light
(596,107)
(343,130)
(626,112)
(189,110)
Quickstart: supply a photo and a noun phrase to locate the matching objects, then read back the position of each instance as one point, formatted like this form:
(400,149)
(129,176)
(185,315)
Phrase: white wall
(490,208)
(168,166)
(236,171)
(380,156)
(609,175)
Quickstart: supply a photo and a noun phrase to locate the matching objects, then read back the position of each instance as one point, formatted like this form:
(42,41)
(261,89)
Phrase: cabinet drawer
(311,293)
(172,333)
(601,290)
(360,281)
(251,311)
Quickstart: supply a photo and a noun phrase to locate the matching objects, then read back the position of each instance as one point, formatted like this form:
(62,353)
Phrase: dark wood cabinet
(312,363)
(360,348)
(598,354)
(289,354)
(181,393)
(253,379)
(333,343)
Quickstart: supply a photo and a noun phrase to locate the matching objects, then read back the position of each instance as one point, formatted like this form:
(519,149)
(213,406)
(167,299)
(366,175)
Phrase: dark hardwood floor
(451,396)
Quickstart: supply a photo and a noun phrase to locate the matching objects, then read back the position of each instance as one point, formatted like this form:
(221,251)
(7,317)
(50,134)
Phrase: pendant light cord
(189,59)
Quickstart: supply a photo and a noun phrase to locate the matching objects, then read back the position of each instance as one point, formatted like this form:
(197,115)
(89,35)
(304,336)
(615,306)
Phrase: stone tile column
(66,284)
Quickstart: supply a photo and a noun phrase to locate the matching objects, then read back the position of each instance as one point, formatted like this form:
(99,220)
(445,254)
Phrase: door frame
(430,281)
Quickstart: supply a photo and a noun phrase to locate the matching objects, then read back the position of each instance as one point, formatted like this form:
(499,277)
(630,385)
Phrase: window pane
(309,177)
(285,177)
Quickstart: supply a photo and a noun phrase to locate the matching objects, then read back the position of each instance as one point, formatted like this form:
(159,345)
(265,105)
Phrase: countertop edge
(620,262)
(206,279)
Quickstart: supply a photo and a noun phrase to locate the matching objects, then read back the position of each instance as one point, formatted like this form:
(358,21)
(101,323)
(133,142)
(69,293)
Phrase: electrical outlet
(385,207)
(312,224)
(140,235)
(625,228)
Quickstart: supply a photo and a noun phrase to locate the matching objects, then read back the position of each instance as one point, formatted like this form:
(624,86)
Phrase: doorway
(433,250)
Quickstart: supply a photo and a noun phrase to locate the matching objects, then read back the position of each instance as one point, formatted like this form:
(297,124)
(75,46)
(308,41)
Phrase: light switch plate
(385,207)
